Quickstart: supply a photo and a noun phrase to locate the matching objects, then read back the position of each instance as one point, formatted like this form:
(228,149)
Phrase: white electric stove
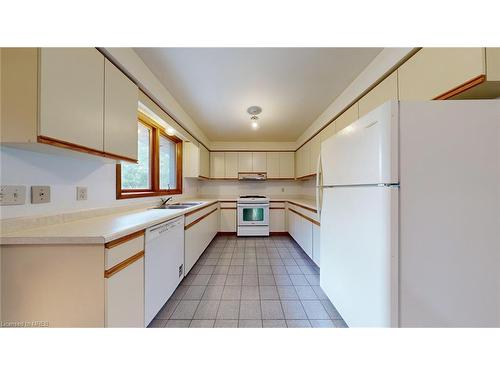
(253,215)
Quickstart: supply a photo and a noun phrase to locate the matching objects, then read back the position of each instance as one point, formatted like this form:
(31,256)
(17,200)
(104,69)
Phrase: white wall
(63,174)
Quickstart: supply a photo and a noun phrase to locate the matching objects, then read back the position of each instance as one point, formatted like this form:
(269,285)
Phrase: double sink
(178,206)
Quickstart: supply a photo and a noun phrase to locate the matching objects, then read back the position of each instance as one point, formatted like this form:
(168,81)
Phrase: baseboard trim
(226,233)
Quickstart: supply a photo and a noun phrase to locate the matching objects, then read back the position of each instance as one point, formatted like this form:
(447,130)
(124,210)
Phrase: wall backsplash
(232,189)
(64,174)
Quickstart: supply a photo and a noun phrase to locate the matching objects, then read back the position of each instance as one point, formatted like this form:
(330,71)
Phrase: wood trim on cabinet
(307,176)
(87,150)
(228,208)
(226,233)
(128,237)
(281,178)
(203,177)
(304,207)
(461,88)
(276,208)
(122,265)
(200,208)
(305,217)
(186,227)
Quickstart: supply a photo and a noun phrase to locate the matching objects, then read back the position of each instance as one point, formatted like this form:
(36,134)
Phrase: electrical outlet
(12,195)
(81,193)
(40,194)
(282,189)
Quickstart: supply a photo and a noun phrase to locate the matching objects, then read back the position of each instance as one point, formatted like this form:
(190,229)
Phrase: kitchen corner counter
(100,229)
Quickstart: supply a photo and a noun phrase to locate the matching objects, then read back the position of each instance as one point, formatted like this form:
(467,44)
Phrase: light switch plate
(40,194)
(81,193)
(12,195)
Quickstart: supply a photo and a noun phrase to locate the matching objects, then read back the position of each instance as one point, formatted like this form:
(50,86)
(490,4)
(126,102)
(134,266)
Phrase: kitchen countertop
(98,230)
(102,229)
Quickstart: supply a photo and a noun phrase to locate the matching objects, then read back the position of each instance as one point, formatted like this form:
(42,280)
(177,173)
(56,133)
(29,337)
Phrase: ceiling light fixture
(253,111)
(170,131)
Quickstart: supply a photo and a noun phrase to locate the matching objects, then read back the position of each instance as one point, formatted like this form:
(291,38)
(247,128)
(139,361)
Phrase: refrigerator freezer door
(365,152)
(359,254)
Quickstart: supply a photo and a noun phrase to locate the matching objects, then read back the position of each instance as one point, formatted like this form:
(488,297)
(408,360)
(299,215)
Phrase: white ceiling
(293,86)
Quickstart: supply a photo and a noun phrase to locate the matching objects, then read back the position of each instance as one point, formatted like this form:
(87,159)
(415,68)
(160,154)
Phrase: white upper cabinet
(245,162)
(314,153)
(286,164)
(273,165)
(327,132)
(120,113)
(432,72)
(259,162)
(384,91)
(72,96)
(231,164)
(196,160)
(204,162)
(347,118)
(217,165)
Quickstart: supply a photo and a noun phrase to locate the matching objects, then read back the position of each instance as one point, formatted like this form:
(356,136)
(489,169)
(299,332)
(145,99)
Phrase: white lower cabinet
(277,220)
(125,297)
(302,232)
(199,232)
(316,245)
(228,219)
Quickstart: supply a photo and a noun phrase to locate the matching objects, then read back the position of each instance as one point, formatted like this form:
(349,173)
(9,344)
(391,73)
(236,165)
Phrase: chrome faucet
(164,201)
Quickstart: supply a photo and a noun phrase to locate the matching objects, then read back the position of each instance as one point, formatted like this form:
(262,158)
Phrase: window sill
(144,194)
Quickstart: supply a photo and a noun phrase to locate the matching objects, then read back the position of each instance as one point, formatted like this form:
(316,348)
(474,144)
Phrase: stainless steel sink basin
(178,206)
(173,207)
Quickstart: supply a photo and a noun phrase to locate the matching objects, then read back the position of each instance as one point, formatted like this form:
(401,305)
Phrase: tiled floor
(250,282)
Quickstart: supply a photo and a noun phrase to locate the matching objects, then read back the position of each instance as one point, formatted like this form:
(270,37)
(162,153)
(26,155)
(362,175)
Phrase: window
(158,170)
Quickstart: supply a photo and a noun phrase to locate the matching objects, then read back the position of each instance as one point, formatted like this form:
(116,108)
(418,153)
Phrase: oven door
(253,214)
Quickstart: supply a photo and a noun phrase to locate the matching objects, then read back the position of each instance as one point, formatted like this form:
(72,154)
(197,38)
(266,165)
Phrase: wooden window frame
(154,168)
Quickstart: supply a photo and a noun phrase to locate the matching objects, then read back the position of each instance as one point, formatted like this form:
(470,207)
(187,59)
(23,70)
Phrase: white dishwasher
(164,264)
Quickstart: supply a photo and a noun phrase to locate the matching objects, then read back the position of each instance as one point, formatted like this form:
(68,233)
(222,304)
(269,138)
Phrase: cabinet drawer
(194,215)
(228,205)
(123,248)
(277,204)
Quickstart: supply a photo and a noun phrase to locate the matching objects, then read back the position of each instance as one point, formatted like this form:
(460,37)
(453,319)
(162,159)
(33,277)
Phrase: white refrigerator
(410,216)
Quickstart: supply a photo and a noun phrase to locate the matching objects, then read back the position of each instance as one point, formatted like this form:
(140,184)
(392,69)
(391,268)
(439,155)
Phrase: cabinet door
(245,162)
(228,220)
(217,165)
(231,165)
(314,154)
(120,113)
(304,234)
(286,164)
(304,160)
(316,243)
(277,220)
(273,165)
(259,162)
(347,118)
(431,72)
(384,91)
(204,162)
(125,297)
(327,132)
(72,96)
